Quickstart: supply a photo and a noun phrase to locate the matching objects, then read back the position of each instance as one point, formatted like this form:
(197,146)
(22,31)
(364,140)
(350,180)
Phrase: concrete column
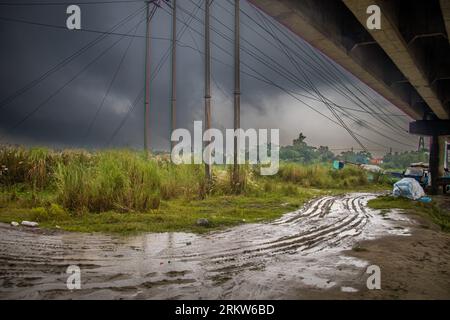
(437,158)
(434,163)
(442,155)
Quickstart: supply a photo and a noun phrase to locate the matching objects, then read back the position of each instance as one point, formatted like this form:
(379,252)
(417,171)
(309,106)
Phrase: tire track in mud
(33,265)
(354,221)
(319,209)
(314,208)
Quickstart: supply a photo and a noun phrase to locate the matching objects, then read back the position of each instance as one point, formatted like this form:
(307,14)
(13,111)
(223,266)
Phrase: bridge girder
(401,51)
(396,68)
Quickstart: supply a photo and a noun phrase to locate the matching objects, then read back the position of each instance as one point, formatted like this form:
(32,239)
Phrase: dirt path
(298,256)
(416,267)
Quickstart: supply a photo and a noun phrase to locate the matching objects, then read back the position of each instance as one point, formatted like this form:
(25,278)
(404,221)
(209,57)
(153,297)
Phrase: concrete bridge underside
(407,61)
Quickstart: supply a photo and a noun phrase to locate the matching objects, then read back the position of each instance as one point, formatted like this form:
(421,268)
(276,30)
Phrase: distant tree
(361,157)
(301,152)
(300,142)
(325,155)
(404,159)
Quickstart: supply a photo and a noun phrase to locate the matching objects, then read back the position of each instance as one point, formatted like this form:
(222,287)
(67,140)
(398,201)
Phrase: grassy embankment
(126,191)
(434,211)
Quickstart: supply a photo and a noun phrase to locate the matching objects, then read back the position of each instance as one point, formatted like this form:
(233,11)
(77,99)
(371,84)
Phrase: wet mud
(299,253)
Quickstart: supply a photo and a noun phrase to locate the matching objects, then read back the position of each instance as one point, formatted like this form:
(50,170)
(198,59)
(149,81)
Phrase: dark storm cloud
(28,51)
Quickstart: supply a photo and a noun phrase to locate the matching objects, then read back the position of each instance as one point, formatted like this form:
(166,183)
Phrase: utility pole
(174,71)
(147,80)
(237,89)
(207,79)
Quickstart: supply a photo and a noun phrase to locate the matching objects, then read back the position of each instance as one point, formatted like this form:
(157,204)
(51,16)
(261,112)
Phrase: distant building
(376,161)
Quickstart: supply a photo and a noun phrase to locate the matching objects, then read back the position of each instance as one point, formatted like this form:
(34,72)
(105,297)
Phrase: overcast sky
(29,51)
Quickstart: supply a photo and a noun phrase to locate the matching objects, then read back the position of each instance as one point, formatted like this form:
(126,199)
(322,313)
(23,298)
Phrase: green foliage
(322,176)
(50,213)
(361,157)
(404,159)
(97,182)
(186,181)
(122,181)
(34,167)
(301,152)
(65,188)
(30,166)
(174,215)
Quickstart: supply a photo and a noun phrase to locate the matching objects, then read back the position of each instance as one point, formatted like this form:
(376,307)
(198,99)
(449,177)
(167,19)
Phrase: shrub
(320,176)
(51,213)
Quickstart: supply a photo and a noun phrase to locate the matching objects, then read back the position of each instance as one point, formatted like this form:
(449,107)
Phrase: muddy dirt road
(303,249)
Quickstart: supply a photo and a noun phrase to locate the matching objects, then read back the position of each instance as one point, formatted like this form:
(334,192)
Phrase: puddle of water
(349,289)
(258,261)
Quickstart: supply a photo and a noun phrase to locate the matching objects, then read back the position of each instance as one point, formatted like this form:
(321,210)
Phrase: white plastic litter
(30,224)
(15,224)
(372,168)
(408,188)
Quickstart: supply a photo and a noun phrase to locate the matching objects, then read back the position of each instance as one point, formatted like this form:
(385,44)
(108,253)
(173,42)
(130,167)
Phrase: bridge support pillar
(438,130)
(437,161)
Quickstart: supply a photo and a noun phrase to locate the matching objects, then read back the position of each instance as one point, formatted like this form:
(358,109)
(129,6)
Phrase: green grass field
(127,192)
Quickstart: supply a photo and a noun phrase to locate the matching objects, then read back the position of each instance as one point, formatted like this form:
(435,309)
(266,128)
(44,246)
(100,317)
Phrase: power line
(30,114)
(125,119)
(270,63)
(83,30)
(367,126)
(317,69)
(179,35)
(363,123)
(307,65)
(307,97)
(270,82)
(314,88)
(119,66)
(47,3)
(160,64)
(66,61)
(327,100)
(277,67)
(312,64)
(339,76)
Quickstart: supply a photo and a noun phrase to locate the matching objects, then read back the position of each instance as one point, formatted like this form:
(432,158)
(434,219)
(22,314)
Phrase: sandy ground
(306,254)
(416,267)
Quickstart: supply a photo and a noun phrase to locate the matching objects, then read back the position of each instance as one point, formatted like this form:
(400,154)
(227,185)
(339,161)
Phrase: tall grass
(120,181)
(34,167)
(128,181)
(188,181)
(321,176)
(102,181)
